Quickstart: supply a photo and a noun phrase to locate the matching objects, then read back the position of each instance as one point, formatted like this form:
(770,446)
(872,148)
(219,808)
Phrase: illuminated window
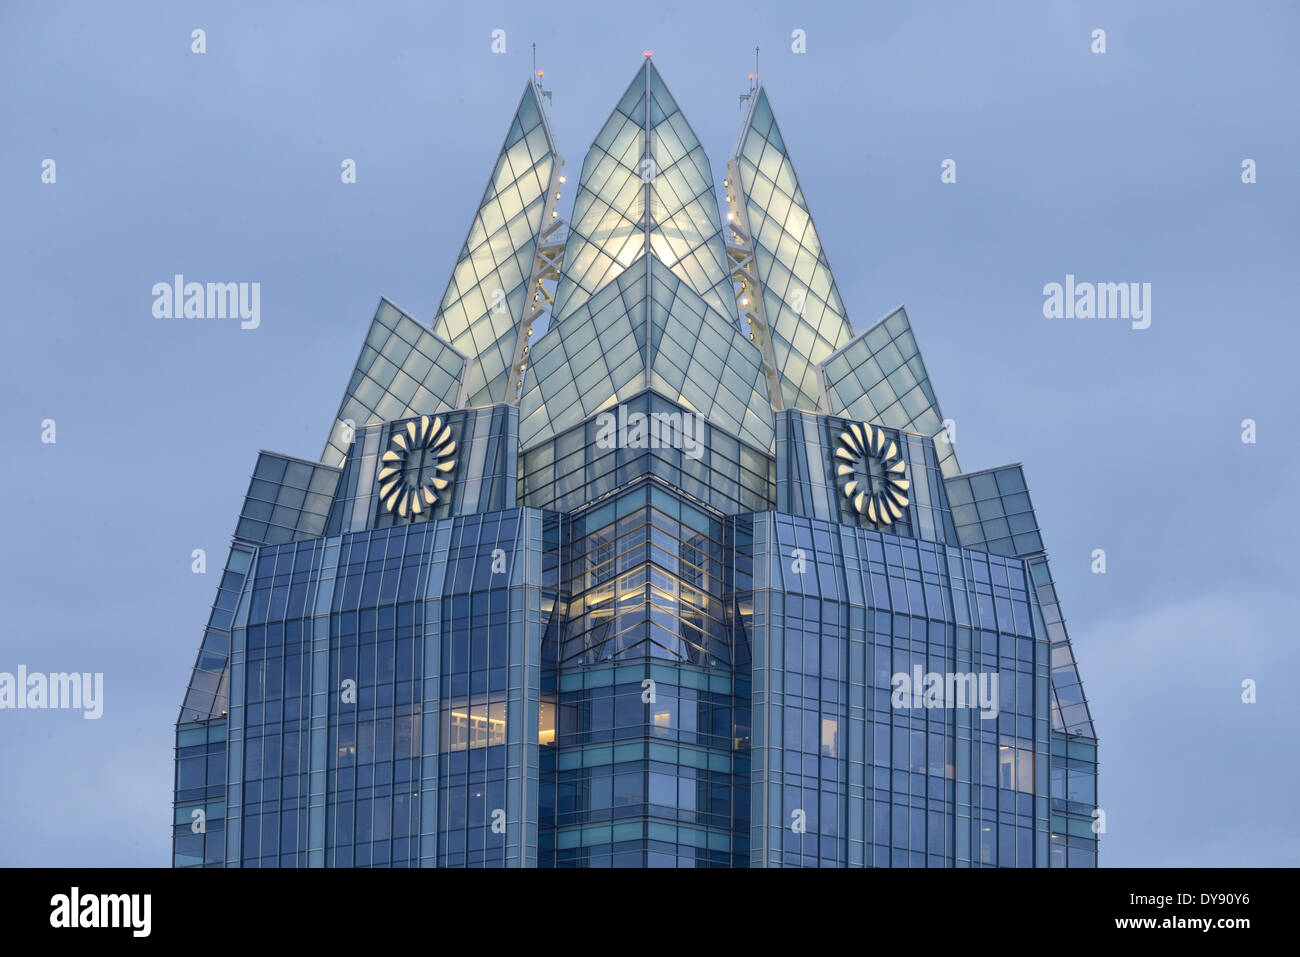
(479,724)
(546,722)
(830,738)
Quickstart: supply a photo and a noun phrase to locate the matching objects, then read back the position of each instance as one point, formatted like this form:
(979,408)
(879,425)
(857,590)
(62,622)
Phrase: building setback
(690,578)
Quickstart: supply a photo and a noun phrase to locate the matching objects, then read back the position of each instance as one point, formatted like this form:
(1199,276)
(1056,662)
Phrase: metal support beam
(746,285)
(547,262)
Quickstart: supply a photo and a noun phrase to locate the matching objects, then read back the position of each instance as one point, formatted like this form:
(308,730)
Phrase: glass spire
(805,316)
(492,286)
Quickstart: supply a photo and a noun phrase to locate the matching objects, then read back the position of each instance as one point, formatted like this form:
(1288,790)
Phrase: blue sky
(1122,167)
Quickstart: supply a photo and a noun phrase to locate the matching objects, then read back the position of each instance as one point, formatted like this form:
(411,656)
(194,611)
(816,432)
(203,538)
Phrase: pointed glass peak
(805,317)
(528,115)
(646,185)
(647,82)
(760,119)
(487,300)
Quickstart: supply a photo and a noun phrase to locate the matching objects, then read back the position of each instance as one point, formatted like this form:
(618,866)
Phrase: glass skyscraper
(637,555)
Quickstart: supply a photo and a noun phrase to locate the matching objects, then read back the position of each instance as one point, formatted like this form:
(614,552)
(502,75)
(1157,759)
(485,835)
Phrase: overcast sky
(1117,167)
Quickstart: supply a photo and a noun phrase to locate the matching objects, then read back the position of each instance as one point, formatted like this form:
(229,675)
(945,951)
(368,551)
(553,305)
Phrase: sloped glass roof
(880,376)
(605,352)
(993,512)
(585,362)
(404,369)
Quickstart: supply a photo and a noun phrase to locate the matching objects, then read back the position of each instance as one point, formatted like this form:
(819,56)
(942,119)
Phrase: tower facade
(638,554)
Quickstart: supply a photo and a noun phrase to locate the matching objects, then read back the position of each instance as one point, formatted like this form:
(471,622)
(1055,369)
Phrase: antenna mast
(753,80)
(537,76)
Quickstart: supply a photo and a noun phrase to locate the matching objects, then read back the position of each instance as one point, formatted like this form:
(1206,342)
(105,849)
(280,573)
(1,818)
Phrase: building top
(709,344)
(732,311)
